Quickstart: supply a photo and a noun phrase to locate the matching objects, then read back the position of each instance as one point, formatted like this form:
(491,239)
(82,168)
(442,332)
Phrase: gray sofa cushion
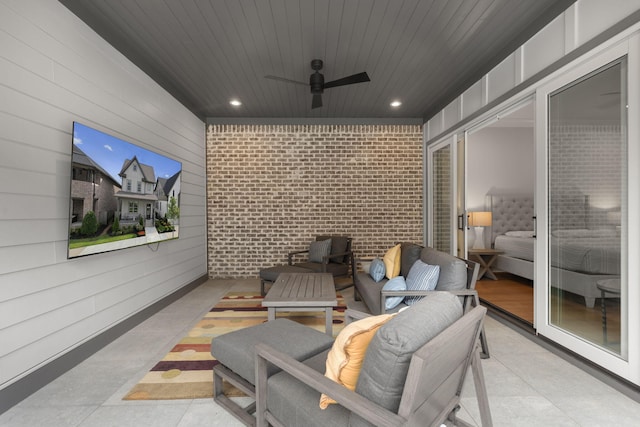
(409,253)
(296,404)
(385,366)
(453,271)
(236,349)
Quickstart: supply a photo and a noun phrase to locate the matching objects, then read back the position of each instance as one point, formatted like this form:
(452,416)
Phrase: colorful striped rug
(185,372)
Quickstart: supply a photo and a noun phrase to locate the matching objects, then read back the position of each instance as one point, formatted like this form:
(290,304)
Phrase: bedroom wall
(272,188)
(54,70)
(500,161)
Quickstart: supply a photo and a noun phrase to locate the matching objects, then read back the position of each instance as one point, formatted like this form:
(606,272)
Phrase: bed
(584,247)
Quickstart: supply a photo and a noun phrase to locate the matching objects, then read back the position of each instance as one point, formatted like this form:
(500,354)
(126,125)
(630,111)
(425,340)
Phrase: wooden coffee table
(303,292)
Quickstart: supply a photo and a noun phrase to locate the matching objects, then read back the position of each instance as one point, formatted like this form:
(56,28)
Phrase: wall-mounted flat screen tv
(122,195)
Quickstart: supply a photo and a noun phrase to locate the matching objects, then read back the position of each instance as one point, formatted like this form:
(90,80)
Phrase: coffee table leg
(271,314)
(329,321)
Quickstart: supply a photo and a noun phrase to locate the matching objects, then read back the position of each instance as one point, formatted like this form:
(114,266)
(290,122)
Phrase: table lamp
(479,220)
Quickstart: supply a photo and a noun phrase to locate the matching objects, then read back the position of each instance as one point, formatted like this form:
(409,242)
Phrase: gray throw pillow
(319,250)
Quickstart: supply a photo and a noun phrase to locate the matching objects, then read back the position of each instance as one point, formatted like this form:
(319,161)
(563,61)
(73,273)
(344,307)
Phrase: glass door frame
(451,142)
(630,368)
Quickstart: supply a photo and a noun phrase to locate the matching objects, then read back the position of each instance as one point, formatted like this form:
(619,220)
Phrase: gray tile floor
(527,384)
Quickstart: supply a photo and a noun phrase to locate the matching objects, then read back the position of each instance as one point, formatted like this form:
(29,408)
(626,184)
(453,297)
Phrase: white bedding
(591,255)
(516,247)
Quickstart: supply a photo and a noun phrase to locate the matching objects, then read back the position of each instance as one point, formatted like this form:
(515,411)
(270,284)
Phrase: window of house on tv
(122,195)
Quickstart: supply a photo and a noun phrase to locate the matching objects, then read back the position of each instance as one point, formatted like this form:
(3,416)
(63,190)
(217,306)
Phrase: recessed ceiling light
(235,102)
(395,104)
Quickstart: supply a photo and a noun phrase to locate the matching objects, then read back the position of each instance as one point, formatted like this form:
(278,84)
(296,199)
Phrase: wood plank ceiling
(421,52)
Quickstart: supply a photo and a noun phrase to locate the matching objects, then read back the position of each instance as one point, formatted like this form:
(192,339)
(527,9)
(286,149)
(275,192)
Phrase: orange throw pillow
(344,360)
(392,262)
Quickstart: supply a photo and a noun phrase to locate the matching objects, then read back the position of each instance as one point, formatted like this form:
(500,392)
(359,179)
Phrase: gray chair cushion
(409,254)
(339,244)
(453,271)
(319,249)
(385,366)
(236,350)
(296,404)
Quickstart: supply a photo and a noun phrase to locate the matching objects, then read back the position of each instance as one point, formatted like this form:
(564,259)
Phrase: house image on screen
(137,197)
(166,188)
(92,189)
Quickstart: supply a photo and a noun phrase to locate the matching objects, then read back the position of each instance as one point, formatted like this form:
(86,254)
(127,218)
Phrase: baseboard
(16,392)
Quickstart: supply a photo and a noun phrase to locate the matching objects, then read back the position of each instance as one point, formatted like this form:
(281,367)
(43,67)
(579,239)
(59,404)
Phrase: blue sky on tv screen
(110,153)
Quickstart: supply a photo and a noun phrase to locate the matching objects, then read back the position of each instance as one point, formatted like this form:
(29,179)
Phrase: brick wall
(272,188)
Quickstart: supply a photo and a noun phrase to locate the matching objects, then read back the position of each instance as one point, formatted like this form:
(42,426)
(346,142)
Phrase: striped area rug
(185,372)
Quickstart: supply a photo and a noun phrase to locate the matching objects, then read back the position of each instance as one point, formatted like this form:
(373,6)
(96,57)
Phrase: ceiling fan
(317,84)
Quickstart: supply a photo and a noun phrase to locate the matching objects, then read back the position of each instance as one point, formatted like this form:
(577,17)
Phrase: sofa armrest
(370,411)
(469,297)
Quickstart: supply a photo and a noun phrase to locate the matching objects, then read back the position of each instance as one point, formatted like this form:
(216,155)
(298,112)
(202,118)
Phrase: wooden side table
(486,258)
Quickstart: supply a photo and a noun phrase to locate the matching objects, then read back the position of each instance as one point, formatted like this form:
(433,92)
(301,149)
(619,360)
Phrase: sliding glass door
(583,225)
(441,196)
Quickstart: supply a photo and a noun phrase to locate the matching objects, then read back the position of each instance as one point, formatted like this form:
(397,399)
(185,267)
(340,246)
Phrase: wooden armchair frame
(348,255)
(432,390)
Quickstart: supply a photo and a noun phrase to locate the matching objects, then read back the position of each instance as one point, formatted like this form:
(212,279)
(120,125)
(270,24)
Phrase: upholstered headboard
(510,213)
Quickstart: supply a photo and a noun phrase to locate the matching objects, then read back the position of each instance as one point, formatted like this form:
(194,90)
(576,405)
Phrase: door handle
(460,222)
(535,226)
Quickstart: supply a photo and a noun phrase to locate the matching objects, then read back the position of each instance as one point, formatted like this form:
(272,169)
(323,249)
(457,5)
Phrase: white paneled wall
(576,26)
(54,70)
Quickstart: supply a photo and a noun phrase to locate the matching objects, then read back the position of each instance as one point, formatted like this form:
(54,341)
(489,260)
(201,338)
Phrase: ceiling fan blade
(316,102)
(356,78)
(283,79)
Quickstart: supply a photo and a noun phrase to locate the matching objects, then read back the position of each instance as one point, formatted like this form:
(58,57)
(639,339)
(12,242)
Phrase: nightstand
(486,258)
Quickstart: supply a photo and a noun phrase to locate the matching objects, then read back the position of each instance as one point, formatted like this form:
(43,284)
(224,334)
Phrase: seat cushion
(236,351)
(385,366)
(271,274)
(315,267)
(296,404)
(453,271)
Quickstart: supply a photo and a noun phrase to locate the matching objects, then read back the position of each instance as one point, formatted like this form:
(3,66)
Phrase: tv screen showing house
(122,195)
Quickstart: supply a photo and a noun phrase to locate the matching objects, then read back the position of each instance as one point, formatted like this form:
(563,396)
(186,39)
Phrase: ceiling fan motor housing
(316,81)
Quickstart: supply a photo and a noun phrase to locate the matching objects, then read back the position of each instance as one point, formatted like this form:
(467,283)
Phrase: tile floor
(527,384)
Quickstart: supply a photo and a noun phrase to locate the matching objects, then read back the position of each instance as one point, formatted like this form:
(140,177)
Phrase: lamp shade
(480,219)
